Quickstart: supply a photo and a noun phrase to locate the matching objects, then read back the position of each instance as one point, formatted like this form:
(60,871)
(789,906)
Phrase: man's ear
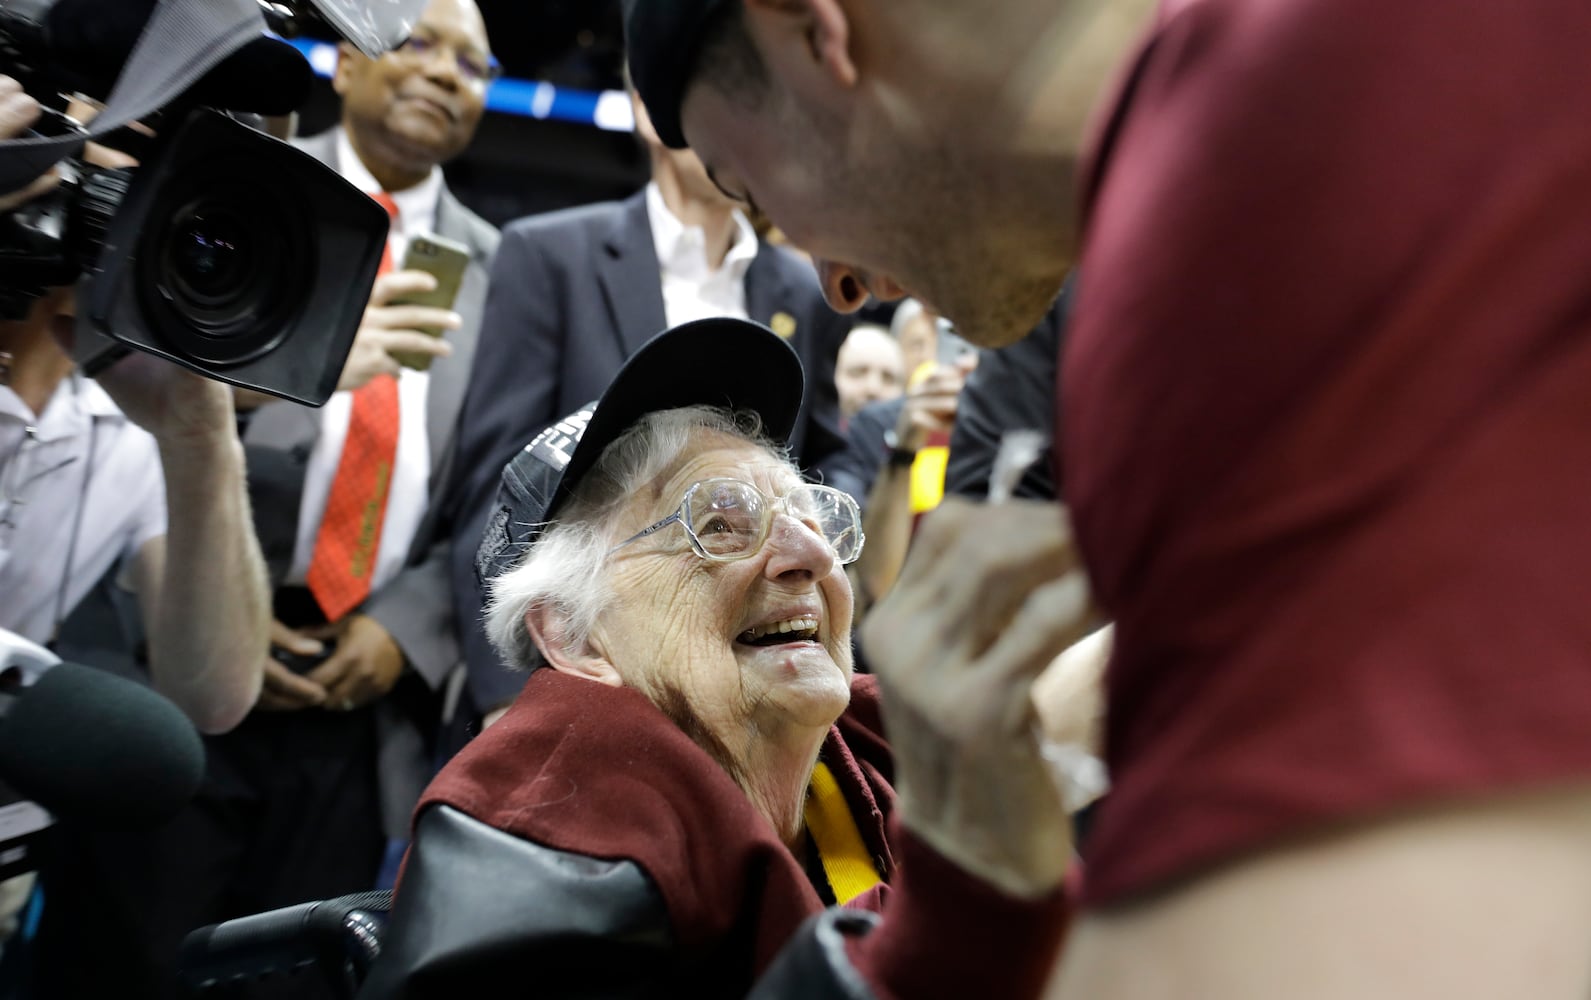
(347,56)
(585,662)
(821,24)
(644,130)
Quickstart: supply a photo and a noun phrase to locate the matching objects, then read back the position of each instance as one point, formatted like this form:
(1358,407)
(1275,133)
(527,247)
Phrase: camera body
(238,256)
(51,240)
(225,250)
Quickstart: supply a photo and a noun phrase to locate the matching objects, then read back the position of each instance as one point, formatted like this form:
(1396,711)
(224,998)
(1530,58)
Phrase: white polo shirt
(79,478)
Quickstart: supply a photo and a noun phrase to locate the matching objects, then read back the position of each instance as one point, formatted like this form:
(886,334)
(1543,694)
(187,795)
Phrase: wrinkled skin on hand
(989,596)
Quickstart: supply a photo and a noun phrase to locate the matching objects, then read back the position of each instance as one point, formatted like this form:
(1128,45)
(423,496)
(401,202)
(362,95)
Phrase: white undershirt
(411,471)
(691,289)
(44,474)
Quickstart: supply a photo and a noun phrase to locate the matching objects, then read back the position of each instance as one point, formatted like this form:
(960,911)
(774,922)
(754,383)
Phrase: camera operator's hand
(387,330)
(364,666)
(18,112)
(179,407)
(169,401)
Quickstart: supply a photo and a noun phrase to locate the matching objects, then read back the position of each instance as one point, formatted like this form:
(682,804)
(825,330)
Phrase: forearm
(887,525)
(210,631)
(956,647)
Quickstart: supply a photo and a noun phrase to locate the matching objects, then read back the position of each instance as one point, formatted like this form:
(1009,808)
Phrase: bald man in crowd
(868,369)
(1325,370)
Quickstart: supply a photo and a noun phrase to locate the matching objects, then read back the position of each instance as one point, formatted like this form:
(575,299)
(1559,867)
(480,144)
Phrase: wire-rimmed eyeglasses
(727,519)
(477,69)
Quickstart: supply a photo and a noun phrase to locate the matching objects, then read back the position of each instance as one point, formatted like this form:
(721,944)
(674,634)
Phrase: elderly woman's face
(680,625)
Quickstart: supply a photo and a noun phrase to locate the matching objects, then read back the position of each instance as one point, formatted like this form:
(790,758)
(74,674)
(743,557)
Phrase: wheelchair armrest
(339,938)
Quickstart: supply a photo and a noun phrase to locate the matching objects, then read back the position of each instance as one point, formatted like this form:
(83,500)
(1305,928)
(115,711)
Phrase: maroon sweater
(1326,396)
(599,771)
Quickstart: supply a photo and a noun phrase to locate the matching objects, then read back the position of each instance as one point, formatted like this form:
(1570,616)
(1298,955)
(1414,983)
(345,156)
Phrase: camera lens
(217,266)
(228,265)
(210,257)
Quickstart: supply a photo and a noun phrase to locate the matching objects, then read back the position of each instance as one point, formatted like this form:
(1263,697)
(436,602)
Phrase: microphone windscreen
(100,751)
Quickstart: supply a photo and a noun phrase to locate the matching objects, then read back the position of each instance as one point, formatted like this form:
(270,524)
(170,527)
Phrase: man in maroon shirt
(1323,398)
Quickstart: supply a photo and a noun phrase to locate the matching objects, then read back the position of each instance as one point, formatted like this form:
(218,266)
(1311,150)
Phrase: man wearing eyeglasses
(403,115)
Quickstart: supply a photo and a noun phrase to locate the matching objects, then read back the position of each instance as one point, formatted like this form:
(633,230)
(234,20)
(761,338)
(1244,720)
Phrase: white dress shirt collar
(682,249)
(75,401)
(416,205)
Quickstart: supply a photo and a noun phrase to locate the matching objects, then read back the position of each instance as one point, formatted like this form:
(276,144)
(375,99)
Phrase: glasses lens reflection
(730,519)
(726,517)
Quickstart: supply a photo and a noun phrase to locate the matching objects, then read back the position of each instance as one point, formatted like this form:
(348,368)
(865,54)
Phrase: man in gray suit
(403,115)
(574,293)
(300,799)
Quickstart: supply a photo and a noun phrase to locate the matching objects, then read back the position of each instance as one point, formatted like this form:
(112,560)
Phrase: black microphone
(88,42)
(98,750)
(340,937)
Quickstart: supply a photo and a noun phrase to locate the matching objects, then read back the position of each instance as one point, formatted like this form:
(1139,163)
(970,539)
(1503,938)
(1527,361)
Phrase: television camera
(225,250)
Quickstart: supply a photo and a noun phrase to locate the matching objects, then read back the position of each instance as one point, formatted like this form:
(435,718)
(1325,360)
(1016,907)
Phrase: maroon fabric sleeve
(946,933)
(1323,382)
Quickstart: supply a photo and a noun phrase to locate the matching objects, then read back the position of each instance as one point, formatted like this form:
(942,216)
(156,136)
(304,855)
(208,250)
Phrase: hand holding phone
(952,348)
(388,332)
(445,261)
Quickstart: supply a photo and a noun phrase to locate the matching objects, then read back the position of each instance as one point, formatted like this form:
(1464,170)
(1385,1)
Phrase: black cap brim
(729,363)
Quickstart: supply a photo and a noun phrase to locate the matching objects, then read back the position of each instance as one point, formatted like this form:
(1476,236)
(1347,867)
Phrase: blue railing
(606,109)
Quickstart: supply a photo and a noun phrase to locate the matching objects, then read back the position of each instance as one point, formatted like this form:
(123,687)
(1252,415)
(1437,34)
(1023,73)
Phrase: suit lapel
(277,443)
(322,146)
(765,287)
(627,270)
(769,300)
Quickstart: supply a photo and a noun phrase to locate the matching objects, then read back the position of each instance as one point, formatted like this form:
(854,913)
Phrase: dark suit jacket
(1012,388)
(865,451)
(416,606)
(573,294)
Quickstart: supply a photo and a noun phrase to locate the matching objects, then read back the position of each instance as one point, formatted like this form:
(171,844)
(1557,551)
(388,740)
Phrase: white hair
(563,570)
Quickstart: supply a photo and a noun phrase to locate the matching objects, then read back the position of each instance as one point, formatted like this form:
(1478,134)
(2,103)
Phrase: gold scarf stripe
(846,860)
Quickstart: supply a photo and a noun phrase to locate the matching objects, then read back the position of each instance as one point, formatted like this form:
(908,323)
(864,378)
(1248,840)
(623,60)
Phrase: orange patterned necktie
(350,529)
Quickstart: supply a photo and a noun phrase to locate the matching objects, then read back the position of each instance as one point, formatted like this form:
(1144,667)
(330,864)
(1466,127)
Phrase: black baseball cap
(724,362)
(662,38)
